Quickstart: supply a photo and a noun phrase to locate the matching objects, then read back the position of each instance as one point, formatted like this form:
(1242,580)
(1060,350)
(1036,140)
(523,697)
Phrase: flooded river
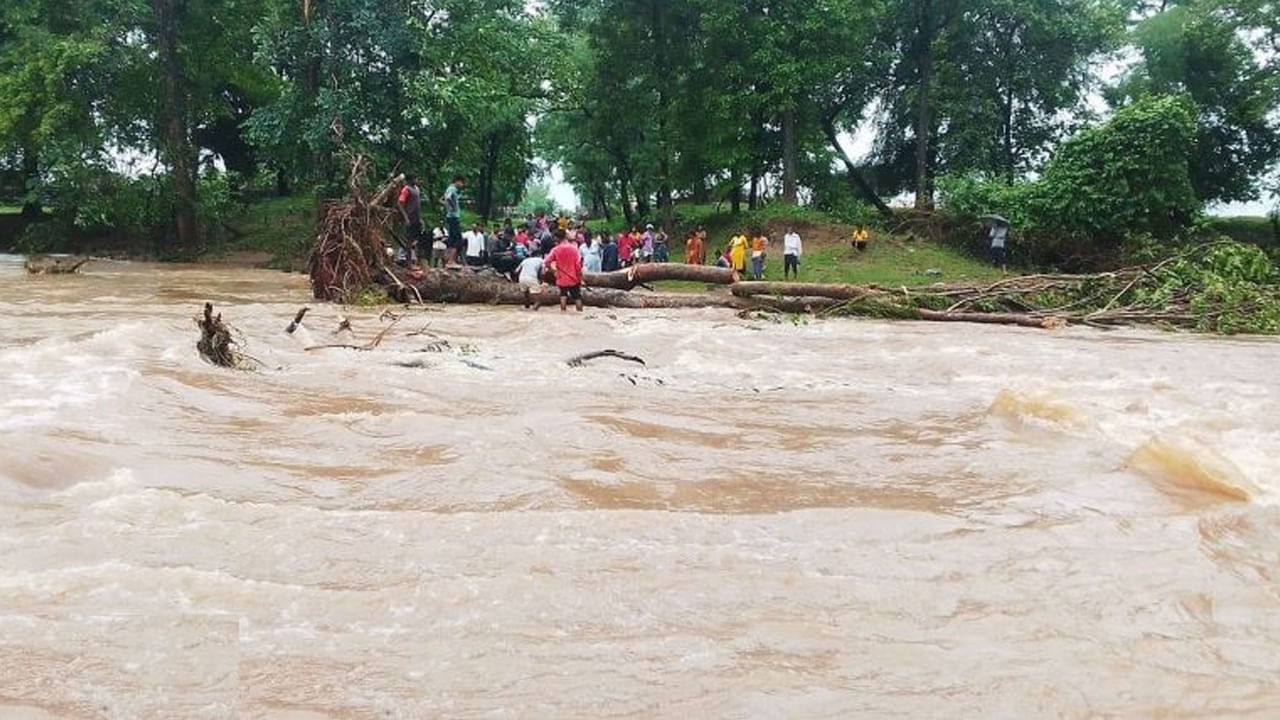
(769,519)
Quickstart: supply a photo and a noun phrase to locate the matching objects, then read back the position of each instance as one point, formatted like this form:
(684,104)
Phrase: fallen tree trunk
(657,272)
(487,288)
(796,289)
(1044,323)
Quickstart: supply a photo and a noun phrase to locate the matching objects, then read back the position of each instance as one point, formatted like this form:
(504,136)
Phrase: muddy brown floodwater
(777,520)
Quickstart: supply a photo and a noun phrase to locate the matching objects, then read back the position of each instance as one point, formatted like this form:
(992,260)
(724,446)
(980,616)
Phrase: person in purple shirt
(646,244)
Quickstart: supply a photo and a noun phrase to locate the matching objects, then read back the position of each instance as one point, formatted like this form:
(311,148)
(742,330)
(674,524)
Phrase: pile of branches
(1223,287)
(351,247)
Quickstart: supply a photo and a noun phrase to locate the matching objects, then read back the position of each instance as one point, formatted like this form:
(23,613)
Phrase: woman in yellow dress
(738,253)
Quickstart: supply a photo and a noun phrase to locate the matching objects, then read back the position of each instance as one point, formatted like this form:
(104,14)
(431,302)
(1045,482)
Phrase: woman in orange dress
(695,253)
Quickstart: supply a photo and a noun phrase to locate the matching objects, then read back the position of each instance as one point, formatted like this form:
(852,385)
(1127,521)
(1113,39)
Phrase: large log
(657,272)
(1044,323)
(485,287)
(488,288)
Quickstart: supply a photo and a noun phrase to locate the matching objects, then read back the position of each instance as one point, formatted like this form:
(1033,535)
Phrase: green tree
(1203,49)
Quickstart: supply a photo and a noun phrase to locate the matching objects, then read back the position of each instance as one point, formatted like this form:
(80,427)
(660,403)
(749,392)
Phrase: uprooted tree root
(350,252)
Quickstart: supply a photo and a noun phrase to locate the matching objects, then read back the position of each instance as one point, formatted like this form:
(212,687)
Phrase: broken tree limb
(579,360)
(297,320)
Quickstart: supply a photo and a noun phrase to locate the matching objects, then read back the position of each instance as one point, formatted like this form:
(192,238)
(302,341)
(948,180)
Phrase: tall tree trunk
(753,194)
(321,168)
(642,203)
(852,173)
(32,207)
(659,54)
(624,191)
(735,198)
(789,156)
(925,31)
(175,137)
(488,174)
(602,198)
(1007,162)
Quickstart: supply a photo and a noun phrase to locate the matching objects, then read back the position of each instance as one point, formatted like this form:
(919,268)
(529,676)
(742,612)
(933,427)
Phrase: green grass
(891,261)
(282,227)
(10,209)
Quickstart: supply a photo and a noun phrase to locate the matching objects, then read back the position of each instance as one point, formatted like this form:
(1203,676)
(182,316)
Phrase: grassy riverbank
(279,233)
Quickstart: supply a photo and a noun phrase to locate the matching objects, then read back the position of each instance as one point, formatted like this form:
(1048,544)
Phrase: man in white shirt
(792,249)
(530,273)
(475,246)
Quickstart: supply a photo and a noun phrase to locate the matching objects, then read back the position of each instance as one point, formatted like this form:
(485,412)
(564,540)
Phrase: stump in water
(215,344)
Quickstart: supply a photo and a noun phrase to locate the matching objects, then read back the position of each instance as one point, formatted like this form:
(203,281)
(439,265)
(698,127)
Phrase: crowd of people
(543,249)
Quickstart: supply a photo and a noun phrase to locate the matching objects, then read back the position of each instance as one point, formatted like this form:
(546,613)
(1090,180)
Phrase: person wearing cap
(646,244)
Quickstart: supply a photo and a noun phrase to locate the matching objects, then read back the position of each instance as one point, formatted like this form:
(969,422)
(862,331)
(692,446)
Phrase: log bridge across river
(724,289)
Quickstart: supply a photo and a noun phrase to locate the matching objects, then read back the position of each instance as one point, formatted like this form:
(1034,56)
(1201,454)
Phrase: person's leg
(564,301)
(577,297)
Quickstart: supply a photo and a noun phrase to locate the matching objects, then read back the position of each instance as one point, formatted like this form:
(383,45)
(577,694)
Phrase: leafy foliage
(1106,185)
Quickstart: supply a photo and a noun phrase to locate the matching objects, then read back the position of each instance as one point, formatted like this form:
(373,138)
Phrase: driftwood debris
(216,344)
(580,360)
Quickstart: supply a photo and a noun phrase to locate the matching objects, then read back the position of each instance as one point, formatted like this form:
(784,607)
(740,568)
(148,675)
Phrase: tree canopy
(642,103)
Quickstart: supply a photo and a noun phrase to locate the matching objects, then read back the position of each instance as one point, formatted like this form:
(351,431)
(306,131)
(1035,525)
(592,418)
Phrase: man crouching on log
(566,263)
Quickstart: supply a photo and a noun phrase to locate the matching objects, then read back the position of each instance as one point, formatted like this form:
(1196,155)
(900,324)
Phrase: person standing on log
(452,202)
(410,204)
(792,249)
(566,263)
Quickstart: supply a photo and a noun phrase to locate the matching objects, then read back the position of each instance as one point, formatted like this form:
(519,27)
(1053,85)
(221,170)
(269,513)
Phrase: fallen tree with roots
(1223,286)
(350,253)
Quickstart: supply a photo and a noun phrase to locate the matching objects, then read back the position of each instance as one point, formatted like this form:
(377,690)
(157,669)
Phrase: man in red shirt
(566,263)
